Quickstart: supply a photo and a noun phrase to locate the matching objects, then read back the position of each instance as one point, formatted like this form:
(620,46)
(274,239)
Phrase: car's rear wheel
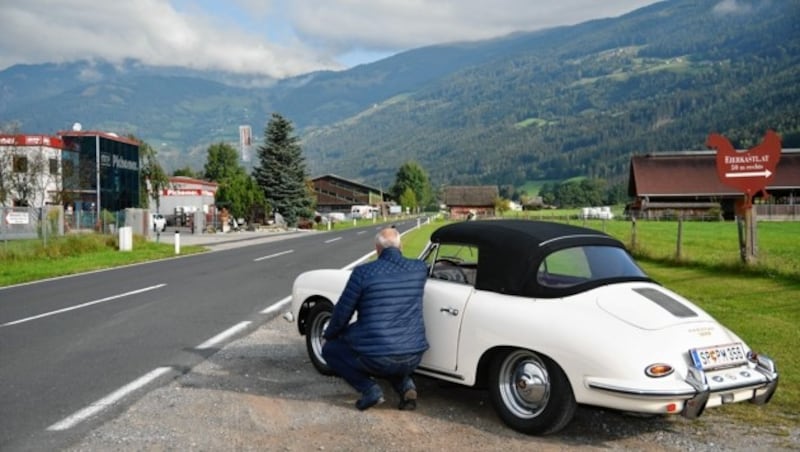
(317,320)
(530,393)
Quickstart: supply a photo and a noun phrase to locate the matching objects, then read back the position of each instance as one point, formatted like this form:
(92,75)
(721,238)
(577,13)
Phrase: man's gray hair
(388,238)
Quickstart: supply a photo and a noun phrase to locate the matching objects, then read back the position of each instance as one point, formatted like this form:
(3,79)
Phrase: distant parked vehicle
(159,222)
(363,211)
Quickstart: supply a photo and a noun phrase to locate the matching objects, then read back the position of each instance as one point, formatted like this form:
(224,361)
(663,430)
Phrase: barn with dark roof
(470,201)
(667,185)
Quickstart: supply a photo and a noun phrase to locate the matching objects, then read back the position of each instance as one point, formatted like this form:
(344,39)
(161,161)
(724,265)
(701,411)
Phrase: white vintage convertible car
(548,316)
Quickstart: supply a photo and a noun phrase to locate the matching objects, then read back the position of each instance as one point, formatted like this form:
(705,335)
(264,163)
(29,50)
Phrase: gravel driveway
(262,393)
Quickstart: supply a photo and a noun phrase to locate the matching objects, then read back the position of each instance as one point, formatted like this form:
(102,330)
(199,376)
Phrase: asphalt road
(71,347)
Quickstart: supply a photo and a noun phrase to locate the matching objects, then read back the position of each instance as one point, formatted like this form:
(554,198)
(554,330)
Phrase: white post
(418,223)
(177,242)
(125,239)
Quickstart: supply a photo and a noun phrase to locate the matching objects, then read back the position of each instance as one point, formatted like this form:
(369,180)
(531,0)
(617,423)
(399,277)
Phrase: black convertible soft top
(510,251)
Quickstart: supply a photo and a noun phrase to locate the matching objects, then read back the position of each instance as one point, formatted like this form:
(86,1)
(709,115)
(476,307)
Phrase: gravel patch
(262,393)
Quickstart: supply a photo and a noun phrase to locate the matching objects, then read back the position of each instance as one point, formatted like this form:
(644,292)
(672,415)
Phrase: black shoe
(409,401)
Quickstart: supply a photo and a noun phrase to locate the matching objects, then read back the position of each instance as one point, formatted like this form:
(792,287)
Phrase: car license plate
(727,355)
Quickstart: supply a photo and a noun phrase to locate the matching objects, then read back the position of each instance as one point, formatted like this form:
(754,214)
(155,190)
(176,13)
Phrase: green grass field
(761,304)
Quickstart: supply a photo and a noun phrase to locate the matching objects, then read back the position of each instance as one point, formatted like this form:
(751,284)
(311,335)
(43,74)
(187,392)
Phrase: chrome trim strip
(425,370)
(643,392)
(677,393)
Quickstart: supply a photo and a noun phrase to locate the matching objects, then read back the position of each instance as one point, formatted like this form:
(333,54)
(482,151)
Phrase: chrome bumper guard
(696,378)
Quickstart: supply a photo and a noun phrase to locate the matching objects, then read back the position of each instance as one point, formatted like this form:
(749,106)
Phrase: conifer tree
(281,172)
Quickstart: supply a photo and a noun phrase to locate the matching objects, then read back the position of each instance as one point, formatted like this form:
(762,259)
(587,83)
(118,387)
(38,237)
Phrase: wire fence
(19,223)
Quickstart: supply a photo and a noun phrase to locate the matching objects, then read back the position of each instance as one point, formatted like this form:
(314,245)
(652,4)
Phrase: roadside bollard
(177,242)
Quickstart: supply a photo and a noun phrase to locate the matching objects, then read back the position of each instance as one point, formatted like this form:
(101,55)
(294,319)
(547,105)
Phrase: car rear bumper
(701,390)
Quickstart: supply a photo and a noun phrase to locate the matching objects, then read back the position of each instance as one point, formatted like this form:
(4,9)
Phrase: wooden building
(668,185)
(337,194)
(467,202)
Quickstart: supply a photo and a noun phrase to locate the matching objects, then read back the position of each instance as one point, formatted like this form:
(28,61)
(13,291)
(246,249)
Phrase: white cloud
(277,38)
(395,25)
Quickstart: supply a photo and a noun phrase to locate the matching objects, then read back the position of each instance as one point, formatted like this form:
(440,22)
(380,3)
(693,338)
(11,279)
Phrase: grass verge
(30,260)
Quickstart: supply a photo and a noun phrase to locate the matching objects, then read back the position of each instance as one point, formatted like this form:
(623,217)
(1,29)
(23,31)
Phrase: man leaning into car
(388,338)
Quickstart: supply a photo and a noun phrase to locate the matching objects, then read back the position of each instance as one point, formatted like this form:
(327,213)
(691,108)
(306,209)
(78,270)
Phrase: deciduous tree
(237,190)
(151,175)
(412,176)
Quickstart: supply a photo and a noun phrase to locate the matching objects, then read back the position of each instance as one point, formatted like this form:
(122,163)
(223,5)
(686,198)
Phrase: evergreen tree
(281,173)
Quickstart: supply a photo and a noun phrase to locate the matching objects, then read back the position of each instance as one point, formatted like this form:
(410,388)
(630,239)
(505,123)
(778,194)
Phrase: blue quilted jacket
(387,294)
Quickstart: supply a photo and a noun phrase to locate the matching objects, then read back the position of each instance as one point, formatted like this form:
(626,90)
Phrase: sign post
(749,171)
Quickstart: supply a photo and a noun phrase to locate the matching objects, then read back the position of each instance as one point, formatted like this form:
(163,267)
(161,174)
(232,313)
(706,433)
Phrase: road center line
(273,255)
(333,240)
(108,400)
(72,308)
(223,335)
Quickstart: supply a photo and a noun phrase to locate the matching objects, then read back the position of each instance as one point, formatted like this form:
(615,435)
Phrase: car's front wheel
(317,320)
(530,393)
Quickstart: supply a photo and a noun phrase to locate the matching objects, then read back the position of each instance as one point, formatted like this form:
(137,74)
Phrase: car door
(450,285)
(443,308)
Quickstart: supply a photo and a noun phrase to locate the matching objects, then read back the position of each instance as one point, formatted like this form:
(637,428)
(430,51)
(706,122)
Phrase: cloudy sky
(278,38)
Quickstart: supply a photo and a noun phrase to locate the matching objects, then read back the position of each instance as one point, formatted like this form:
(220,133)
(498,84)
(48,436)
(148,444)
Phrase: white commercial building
(30,170)
(185,198)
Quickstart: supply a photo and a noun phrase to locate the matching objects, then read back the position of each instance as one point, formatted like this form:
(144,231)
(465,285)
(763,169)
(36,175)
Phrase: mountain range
(548,105)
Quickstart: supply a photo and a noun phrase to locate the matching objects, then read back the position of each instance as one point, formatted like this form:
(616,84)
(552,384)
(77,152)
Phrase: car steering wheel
(449,261)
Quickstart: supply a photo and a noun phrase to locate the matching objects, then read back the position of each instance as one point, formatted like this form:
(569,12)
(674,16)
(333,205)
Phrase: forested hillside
(582,99)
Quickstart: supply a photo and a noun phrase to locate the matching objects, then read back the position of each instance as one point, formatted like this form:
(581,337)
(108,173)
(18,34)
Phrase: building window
(53,166)
(20,164)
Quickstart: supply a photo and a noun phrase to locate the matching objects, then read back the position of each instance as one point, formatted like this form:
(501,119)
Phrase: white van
(363,211)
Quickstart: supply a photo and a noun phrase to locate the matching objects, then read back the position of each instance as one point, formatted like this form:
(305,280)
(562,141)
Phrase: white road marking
(72,308)
(272,255)
(108,400)
(360,232)
(333,240)
(277,306)
(223,335)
